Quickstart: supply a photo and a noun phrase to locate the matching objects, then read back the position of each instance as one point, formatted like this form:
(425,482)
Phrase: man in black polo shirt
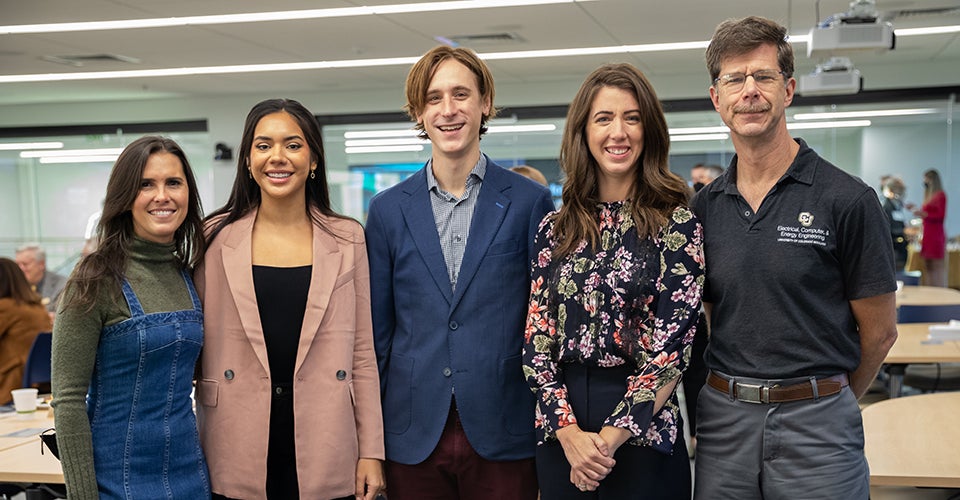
(800,293)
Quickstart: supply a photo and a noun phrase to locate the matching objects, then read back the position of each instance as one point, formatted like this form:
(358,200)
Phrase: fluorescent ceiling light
(699,137)
(72,152)
(372,134)
(288,15)
(593,51)
(865,114)
(504,129)
(357,63)
(699,130)
(677,134)
(491,129)
(383,149)
(352,143)
(930,30)
(837,124)
(20,146)
(79,159)
(208,70)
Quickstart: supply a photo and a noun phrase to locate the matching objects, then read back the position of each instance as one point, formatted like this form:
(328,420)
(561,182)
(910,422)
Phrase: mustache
(752,108)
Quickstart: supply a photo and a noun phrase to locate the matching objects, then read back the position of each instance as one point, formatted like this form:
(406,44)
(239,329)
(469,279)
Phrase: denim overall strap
(193,291)
(132,301)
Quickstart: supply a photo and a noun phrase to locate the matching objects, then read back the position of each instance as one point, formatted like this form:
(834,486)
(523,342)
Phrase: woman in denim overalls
(130,330)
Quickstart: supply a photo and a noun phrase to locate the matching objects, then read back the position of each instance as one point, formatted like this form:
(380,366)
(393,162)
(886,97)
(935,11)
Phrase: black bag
(49,438)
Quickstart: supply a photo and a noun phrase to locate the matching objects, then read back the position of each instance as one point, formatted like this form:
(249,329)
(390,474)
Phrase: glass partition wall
(52,187)
(870,140)
(50,202)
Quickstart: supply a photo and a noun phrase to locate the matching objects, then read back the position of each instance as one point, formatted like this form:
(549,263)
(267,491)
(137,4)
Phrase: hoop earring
(249,173)
(313,174)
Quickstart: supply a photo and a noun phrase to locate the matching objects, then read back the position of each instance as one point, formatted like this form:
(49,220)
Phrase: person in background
(288,398)
(48,284)
(696,177)
(130,329)
(893,191)
(933,245)
(22,317)
(531,173)
(799,292)
(710,173)
(614,302)
(449,252)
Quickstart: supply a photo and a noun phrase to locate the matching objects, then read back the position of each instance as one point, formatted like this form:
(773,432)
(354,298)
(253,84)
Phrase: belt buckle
(752,393)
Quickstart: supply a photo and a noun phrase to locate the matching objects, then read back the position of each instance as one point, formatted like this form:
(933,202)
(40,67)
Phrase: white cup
(25,400)
(899,286)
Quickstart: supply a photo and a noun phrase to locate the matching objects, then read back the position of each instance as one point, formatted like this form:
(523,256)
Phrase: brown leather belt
(755,393)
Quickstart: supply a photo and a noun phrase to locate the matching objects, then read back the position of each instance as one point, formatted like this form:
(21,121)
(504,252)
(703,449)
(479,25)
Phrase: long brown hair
(932,184)
(106,265)
(656,191)
(14,285)
(245,195)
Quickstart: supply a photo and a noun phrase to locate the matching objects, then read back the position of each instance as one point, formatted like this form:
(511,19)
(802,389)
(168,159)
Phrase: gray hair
(37,250)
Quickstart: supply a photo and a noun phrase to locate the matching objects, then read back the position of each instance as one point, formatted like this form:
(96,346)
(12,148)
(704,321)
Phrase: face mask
(697,186)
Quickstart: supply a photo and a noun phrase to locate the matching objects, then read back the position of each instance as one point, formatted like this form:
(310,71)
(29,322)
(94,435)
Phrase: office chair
(935,376)
(927,314)
(908,279)
(37,369)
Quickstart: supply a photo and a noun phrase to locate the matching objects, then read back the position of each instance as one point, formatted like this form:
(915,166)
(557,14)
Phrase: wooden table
(912,347)
(912,441)
(927,296)
(20,457)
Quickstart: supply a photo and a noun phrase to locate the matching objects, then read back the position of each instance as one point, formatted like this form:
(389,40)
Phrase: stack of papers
(949,331)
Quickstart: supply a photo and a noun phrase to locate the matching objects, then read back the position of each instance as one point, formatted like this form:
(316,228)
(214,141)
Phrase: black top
(780,280)
(282,301)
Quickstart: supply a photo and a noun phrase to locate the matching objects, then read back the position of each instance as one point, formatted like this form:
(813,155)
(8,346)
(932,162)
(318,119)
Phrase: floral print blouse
(632,301)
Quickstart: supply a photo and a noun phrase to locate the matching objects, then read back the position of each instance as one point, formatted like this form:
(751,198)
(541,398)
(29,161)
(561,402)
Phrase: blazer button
(447,372)
(454,325)
(228,374)
(341,374)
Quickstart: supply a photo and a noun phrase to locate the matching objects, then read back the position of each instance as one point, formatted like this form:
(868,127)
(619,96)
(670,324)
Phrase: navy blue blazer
(432,341)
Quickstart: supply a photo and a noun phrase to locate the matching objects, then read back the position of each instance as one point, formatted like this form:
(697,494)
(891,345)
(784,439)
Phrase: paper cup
(25,400)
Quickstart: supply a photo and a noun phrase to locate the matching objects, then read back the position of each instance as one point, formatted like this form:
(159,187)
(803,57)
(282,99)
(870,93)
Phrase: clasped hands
(590,454)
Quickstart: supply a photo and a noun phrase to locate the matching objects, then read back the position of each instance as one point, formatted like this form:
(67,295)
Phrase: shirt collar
(801,170)
(476,173)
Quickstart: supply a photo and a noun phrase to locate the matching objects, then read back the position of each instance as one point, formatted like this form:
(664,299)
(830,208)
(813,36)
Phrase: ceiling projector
(860,29)
(835,77)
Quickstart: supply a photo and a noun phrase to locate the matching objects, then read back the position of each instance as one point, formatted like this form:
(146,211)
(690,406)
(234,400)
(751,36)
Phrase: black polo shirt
(780,280)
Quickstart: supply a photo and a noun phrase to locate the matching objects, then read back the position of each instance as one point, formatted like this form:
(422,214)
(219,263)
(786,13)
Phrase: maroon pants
(455,471)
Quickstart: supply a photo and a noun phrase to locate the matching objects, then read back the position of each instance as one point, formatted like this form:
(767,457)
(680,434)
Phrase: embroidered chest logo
(805,233)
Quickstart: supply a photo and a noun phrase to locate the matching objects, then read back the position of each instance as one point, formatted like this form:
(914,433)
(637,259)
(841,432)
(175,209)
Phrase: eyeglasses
(764,78)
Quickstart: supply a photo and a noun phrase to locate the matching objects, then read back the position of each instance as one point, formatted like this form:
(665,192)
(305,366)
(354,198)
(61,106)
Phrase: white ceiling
(918,61)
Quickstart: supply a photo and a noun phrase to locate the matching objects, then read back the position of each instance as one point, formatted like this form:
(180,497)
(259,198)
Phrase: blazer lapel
(492,206)
(238,268)
(418,216)
(323,277)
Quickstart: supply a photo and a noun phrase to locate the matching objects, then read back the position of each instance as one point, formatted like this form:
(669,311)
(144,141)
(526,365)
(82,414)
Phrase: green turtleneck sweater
(154,275)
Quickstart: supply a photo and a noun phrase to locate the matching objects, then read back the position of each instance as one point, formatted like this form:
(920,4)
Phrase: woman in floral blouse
(614,302)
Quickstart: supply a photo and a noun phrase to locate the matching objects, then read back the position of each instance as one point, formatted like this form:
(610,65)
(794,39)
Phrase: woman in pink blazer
(288,398)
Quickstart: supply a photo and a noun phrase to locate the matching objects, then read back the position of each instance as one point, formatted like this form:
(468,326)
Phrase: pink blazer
(336,387)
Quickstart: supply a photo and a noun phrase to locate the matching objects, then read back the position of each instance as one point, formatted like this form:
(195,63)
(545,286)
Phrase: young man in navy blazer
(449,253)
